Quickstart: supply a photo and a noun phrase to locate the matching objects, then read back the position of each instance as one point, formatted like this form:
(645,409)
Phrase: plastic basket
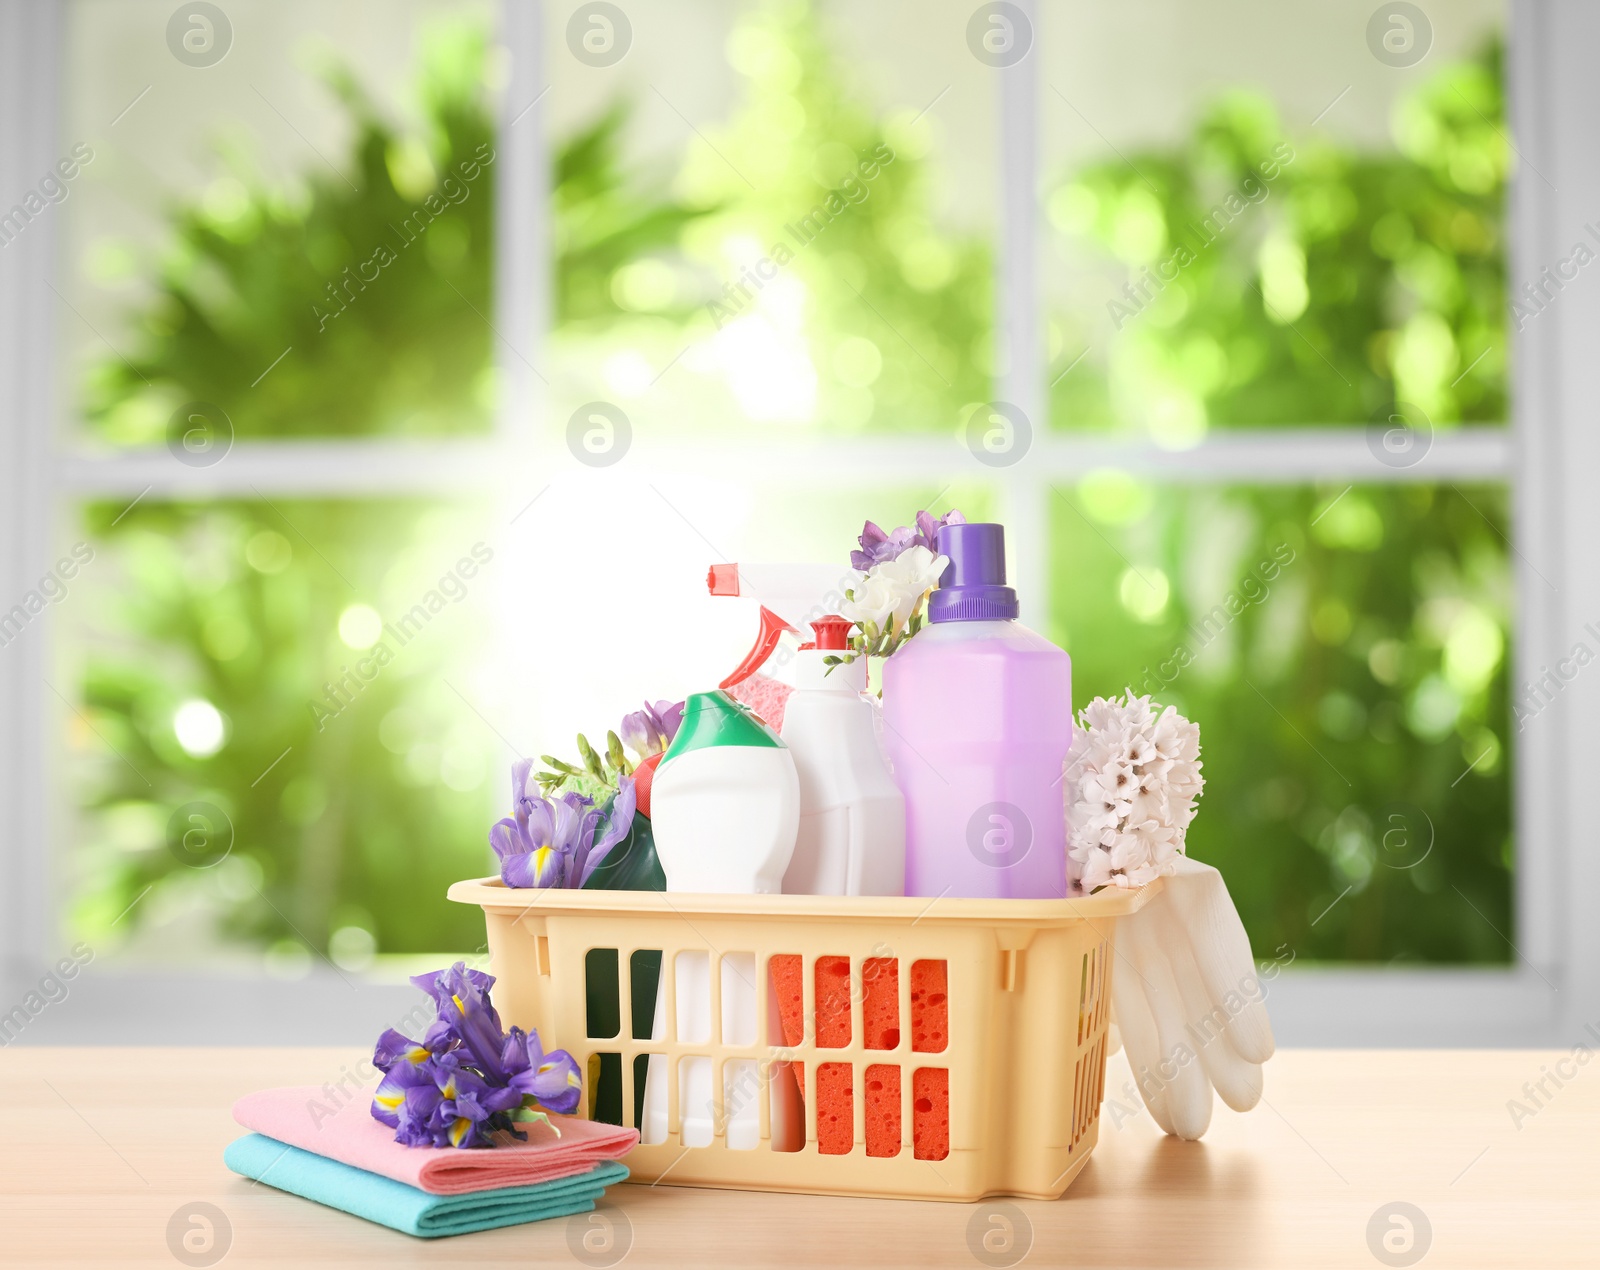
(1028,1003)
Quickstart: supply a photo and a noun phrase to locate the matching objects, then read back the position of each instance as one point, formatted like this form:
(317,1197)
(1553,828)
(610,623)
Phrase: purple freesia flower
(928,528)
(878,547)
(649,731)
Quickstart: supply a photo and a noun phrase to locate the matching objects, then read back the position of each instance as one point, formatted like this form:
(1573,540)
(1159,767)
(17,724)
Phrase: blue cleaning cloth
(405,1208)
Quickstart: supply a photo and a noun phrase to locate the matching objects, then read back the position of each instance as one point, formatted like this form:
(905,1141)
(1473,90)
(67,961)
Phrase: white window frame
(1550,989)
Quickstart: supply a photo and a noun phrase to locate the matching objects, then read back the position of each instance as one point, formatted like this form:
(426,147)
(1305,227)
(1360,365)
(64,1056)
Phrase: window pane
(1344,651)
(1265,221)
(292,241)
(772,216)
(275,730)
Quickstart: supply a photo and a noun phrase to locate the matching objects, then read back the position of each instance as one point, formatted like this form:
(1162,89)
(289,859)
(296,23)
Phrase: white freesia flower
(911,575)
(889,598)
(872,599)
(1131,782)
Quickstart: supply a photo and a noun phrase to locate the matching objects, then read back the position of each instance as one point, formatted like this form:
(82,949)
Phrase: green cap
(713,719)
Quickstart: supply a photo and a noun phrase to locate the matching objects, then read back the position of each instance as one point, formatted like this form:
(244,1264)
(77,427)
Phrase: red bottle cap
(833,632)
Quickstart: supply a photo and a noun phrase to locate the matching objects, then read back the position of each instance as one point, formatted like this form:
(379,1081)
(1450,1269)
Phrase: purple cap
(973,588)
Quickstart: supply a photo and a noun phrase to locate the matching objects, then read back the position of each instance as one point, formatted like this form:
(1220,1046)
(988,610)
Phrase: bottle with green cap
(725,811)
(725,802)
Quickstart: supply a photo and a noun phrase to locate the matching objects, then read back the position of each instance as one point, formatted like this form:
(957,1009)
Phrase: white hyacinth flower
(1131,782)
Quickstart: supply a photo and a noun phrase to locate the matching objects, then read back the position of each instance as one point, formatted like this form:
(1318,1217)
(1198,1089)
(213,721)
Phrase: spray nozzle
(791,596)
(772,628)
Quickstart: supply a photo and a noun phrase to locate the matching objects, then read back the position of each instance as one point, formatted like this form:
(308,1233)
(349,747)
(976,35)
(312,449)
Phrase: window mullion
(522,251)
(325,467)
(30,54)
(1021,379)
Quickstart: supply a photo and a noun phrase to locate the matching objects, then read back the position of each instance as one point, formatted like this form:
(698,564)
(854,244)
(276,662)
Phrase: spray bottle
(790,596)
(852,814)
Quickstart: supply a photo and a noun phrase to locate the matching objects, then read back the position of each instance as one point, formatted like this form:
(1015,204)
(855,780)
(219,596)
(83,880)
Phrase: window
(413,363)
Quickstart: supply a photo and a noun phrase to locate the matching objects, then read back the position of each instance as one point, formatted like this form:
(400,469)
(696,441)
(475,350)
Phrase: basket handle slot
(1010,968)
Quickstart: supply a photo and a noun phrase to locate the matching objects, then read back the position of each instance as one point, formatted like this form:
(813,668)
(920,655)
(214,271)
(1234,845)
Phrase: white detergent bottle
(852,838)
(725,801)
(724,810)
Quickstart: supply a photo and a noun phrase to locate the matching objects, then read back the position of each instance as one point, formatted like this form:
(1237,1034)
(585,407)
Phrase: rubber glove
(1188,1003)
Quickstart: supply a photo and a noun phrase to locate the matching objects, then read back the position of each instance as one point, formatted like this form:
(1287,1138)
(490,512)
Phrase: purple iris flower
(559,841)
(399,1080)
(552,1079)
(418,1122)
(649,731)
(536,845)
(611,827)
(462,999)
(467,1080)
(392,1048)
(467,1107)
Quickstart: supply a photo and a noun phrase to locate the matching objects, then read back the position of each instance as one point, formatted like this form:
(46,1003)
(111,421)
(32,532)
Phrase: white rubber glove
(1188,1002)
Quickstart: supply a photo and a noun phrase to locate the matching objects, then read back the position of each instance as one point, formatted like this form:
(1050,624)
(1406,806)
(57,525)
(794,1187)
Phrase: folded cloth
(405,1208)
(306,1116)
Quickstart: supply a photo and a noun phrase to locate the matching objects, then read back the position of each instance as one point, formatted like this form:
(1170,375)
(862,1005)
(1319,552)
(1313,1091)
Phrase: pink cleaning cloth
(305,1117)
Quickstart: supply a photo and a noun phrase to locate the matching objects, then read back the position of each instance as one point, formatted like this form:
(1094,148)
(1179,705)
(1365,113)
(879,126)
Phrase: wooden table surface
(105,1148)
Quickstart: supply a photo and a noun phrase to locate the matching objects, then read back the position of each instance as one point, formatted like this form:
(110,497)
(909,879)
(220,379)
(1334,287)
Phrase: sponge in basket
(880,1009)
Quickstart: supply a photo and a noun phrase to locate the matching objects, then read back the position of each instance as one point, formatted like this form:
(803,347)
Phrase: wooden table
(103,1147)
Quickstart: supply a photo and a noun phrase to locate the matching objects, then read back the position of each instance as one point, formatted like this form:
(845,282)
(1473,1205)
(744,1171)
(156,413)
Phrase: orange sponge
(930,1086)
(883,1109)
(836,1109)
(930,1113)
(880,1022)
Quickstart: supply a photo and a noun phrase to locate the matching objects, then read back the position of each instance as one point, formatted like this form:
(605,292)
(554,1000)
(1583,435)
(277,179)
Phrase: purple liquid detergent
(977,713)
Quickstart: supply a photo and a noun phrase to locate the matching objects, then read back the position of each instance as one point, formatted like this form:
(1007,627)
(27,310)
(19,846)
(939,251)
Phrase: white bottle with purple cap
(977,713)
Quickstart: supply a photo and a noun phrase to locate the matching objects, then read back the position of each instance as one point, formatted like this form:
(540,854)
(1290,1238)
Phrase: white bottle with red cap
(852,838)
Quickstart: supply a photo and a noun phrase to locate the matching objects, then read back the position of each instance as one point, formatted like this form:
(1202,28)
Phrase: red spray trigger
(772,626)
(833,632)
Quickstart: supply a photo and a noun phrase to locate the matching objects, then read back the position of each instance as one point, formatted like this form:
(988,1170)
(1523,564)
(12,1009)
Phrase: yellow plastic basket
(1028,992)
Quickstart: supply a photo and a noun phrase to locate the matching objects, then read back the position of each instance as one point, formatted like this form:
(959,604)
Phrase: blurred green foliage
(335,819)
(1344,650)
(1294,280)
(816,287)
(898,310)
(1369,671)
(375,277)
(1344,702)
(607,220)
